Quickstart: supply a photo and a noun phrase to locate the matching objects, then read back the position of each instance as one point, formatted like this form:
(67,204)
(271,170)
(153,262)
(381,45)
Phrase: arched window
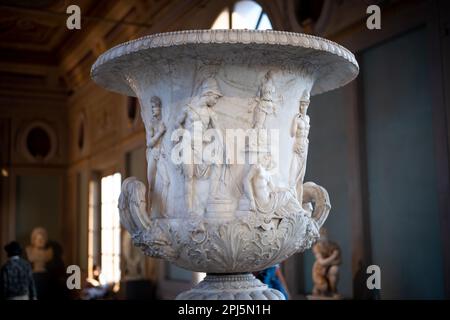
(243,15)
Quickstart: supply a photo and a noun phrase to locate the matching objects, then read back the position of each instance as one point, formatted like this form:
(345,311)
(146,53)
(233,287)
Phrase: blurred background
(379,145)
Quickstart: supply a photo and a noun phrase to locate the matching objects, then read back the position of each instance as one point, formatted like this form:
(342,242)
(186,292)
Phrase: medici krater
(226,218)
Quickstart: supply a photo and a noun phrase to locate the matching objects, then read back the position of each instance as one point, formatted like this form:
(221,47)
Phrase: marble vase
(225,113)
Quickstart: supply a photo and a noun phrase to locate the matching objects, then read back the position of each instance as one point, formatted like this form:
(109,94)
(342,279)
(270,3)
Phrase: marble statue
(262,106)
(199,112)
(264,197)
(37,252)
(325,271)
(155,133)
(157,159)
(227,219)
(300,130)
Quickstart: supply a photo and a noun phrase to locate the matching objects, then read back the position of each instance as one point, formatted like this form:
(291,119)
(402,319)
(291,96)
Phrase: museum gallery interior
(343,189)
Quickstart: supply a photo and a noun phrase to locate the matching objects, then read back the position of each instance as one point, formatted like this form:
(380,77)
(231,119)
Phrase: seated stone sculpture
(264,196)
(325,271)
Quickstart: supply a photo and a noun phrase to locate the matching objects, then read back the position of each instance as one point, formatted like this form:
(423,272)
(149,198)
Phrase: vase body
(227,129)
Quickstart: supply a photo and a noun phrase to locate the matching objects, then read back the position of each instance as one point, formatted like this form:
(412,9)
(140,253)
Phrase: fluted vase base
(231,287)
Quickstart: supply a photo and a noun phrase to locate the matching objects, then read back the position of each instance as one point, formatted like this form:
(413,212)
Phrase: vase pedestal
(243,286)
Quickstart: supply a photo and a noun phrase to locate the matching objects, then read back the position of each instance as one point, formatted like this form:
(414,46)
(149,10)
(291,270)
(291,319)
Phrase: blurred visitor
(57,275)
(96,287)
(16,276)
(274,279)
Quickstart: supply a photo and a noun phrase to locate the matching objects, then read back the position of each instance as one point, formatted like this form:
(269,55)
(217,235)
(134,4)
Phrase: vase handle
(319,197)
(132,207)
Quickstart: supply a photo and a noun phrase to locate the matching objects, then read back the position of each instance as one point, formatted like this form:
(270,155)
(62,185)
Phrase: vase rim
(342,60)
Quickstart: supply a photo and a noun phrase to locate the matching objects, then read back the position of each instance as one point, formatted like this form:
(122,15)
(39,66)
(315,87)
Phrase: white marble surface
(239,217)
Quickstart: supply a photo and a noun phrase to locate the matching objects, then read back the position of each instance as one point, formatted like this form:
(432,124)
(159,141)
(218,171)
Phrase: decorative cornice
(267,37)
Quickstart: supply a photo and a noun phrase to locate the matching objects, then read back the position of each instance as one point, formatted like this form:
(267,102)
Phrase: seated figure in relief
(264,197)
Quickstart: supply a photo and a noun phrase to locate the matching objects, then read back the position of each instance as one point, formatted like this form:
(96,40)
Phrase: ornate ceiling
(32,34)
(38,52)
(39,55)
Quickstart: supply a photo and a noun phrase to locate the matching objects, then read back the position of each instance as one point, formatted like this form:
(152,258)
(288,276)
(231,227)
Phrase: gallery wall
(38,204)
(401,166)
